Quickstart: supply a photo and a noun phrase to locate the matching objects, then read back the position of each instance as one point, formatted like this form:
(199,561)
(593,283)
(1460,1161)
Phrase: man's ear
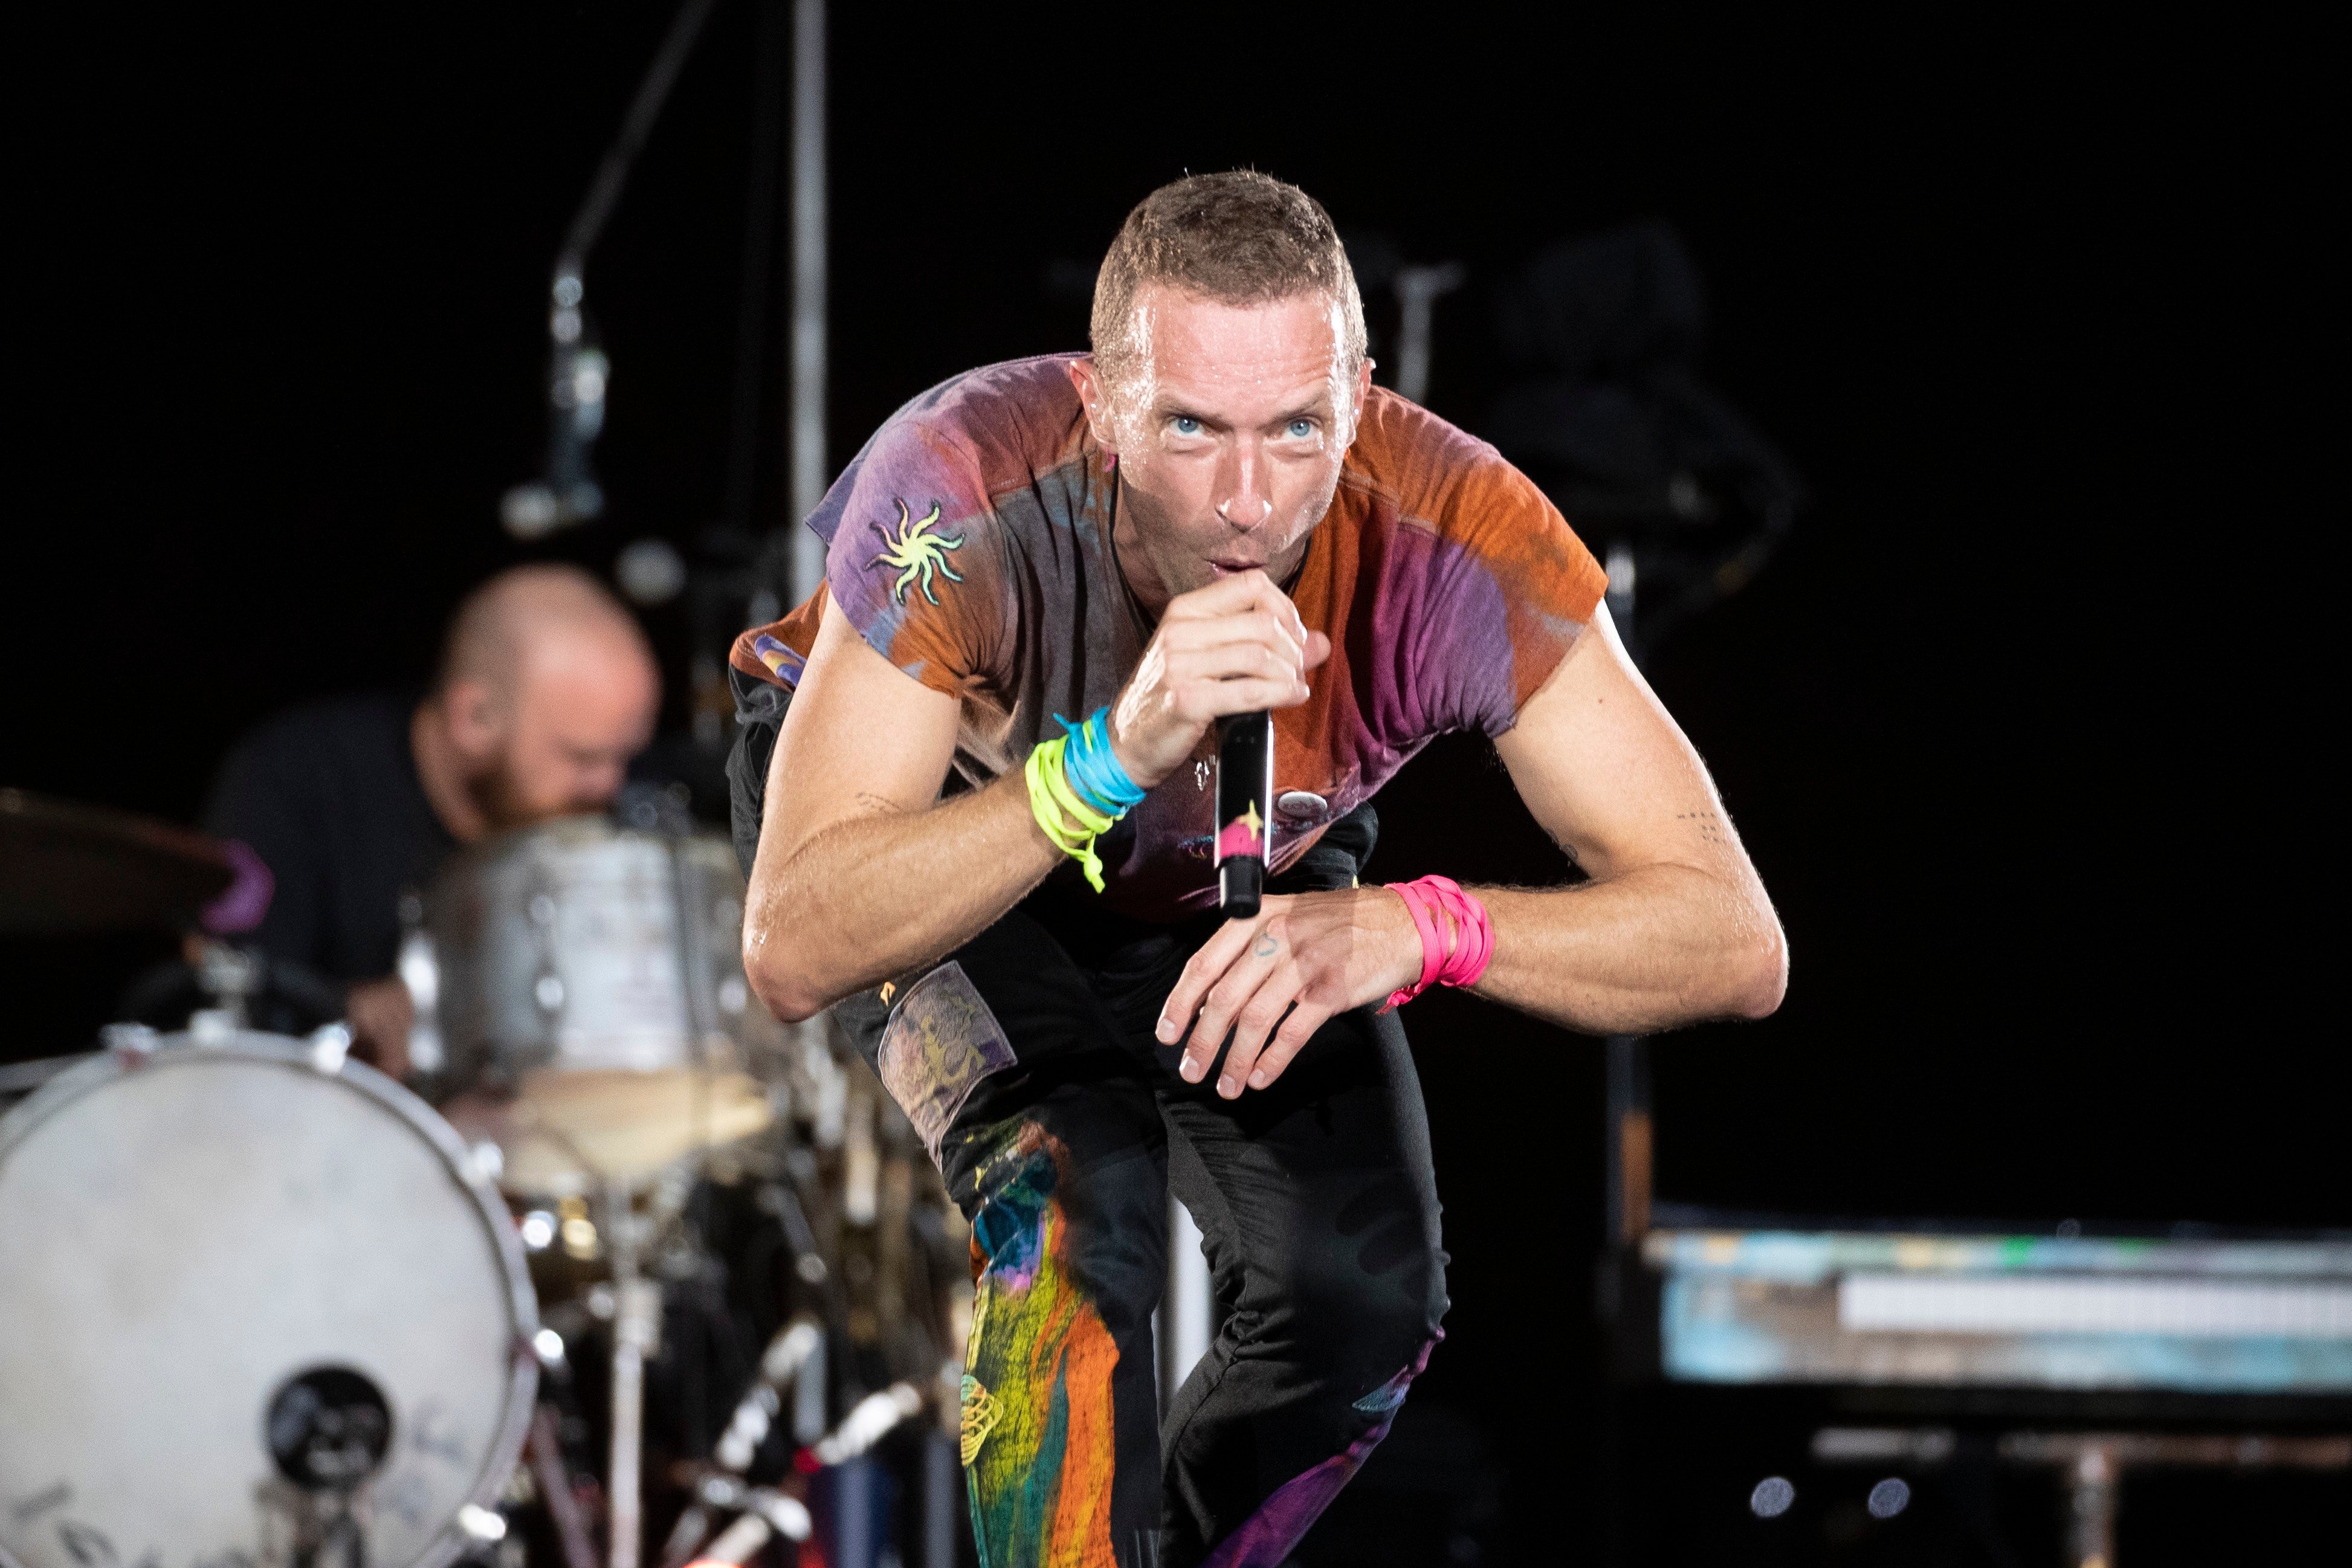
(1095,398)
(476,717)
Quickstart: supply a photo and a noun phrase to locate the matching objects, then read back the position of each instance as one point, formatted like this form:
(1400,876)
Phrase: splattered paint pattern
(1038,1444)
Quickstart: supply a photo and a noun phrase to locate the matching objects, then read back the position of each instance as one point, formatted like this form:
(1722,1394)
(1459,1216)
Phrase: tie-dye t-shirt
(972,543)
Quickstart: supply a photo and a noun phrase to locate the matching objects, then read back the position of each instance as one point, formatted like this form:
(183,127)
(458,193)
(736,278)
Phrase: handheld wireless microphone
(1244,794)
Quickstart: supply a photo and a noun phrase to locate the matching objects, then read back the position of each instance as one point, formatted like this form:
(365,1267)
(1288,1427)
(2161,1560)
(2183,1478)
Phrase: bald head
(546,689)
(530,613)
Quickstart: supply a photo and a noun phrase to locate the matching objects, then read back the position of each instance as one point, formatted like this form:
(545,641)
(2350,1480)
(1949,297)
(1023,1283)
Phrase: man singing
(977,768)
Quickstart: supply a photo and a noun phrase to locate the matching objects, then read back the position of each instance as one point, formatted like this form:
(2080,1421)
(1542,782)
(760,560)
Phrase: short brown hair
(1239,238)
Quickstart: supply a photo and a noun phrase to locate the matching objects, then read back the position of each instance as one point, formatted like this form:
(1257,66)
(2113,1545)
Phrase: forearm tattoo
(1712,829)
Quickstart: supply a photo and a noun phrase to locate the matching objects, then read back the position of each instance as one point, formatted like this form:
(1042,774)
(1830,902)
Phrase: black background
(2024,728)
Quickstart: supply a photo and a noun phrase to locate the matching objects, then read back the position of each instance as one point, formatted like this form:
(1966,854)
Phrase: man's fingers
(1220,1011)
(1206,700)
(1289,1041)
(1235,595)
(1259,626)
(1204,970)
(1253,1026)
(1227,595)
(1233,660)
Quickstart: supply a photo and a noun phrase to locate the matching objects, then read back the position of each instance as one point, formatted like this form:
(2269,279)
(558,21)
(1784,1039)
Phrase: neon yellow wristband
(1049,795)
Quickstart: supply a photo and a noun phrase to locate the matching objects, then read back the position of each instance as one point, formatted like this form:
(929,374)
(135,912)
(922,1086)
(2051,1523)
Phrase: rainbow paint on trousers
(1038,1441)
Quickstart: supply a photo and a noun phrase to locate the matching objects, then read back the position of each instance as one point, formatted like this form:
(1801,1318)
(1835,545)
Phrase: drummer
(546,688)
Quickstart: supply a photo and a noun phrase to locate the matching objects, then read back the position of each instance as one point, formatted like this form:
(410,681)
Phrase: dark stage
(2016,724)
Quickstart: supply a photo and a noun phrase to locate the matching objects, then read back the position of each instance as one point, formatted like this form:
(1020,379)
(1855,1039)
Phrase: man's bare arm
(1672,928)
(862,872)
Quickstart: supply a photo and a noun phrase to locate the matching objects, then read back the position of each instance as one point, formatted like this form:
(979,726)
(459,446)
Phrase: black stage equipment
(1666,481)
(1987,1387)
(577,368)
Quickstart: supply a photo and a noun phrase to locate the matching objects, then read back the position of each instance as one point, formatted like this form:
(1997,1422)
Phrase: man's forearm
(1653,948)
(874,895)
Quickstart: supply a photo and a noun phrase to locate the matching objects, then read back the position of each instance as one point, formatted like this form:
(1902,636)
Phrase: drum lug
(130,1040)
(329,1045)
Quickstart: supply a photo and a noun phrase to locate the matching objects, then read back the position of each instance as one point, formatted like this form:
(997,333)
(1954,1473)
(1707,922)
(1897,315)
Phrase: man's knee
(1387,1272)
(1376,1324)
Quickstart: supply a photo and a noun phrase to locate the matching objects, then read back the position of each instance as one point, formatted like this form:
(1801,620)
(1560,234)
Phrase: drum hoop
(280,1051)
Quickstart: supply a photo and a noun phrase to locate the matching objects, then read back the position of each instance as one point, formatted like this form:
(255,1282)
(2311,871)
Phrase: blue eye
(1186,424)
(1300,429)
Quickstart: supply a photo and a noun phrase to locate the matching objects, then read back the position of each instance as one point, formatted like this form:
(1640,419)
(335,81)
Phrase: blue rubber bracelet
(1093,768)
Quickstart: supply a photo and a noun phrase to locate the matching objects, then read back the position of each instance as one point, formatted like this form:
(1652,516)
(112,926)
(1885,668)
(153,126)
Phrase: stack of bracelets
(1448,957)
(1078,788)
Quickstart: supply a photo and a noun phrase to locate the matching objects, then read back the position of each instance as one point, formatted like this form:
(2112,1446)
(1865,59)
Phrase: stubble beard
(499,799)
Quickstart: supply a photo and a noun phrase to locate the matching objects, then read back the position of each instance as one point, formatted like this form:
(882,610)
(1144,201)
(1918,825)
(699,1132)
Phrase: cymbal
(66,867)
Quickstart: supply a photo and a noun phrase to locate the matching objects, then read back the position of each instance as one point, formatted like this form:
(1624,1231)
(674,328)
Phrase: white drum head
(185,1234)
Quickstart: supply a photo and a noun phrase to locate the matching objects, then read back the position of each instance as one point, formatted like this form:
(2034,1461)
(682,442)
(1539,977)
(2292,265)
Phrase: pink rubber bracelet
(1465,962)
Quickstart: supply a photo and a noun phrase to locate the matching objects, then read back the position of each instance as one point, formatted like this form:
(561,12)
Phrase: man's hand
(1235,646)
(380,1013)
(1309,955)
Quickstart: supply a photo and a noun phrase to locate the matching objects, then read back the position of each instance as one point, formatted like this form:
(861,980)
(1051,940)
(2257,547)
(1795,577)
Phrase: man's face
(578,714)
(1229,436)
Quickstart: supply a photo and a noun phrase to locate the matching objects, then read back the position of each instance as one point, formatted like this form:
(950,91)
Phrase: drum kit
(624,1271)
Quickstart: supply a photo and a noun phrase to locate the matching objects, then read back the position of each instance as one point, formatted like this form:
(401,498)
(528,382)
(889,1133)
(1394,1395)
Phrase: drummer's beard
(501,800)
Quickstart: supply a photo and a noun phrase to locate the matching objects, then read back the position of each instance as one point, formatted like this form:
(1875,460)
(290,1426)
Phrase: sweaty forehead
(1238,359)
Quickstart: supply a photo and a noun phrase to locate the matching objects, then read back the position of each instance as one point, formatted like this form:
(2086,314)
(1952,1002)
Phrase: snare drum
(590,1001)
(250,1294)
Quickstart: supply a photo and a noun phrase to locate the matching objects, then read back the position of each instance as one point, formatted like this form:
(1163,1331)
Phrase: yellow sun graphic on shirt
(922,554)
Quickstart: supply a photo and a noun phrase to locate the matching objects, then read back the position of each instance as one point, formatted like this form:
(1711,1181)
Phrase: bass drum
(254,1302)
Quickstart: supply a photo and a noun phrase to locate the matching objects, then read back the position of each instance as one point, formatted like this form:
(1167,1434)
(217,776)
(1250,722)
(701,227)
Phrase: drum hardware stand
(329,1526)
(798,1348)
(637,1329)
(545,1450)
(767,1513)
(229,977)
(328,1432)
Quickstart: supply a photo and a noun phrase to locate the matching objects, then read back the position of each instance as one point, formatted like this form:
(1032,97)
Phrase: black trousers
(1028,1061)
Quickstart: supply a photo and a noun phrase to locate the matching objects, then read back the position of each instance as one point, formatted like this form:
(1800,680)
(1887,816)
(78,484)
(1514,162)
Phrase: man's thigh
(1059,1160)
(1318,1201)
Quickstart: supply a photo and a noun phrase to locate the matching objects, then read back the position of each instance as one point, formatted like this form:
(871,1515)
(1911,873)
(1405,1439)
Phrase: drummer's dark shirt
(329,796)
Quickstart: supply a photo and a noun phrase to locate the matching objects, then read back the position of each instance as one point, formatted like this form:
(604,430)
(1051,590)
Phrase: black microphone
(1244,794)
(577,372)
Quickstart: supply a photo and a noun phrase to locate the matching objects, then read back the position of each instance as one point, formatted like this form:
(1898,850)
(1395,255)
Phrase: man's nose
(1242,499)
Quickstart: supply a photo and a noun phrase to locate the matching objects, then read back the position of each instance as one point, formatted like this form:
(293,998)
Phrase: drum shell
(186,1229)
(580,947)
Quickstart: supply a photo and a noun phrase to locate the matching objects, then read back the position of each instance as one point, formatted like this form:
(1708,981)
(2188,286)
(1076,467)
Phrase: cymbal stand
(767,1514)
(544,1451)
(637,1329)
(796,1350)
(324,1527)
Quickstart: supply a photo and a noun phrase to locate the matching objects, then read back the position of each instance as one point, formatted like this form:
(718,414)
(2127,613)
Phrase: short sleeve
(1512,595)
(913,554)
(1477,586)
